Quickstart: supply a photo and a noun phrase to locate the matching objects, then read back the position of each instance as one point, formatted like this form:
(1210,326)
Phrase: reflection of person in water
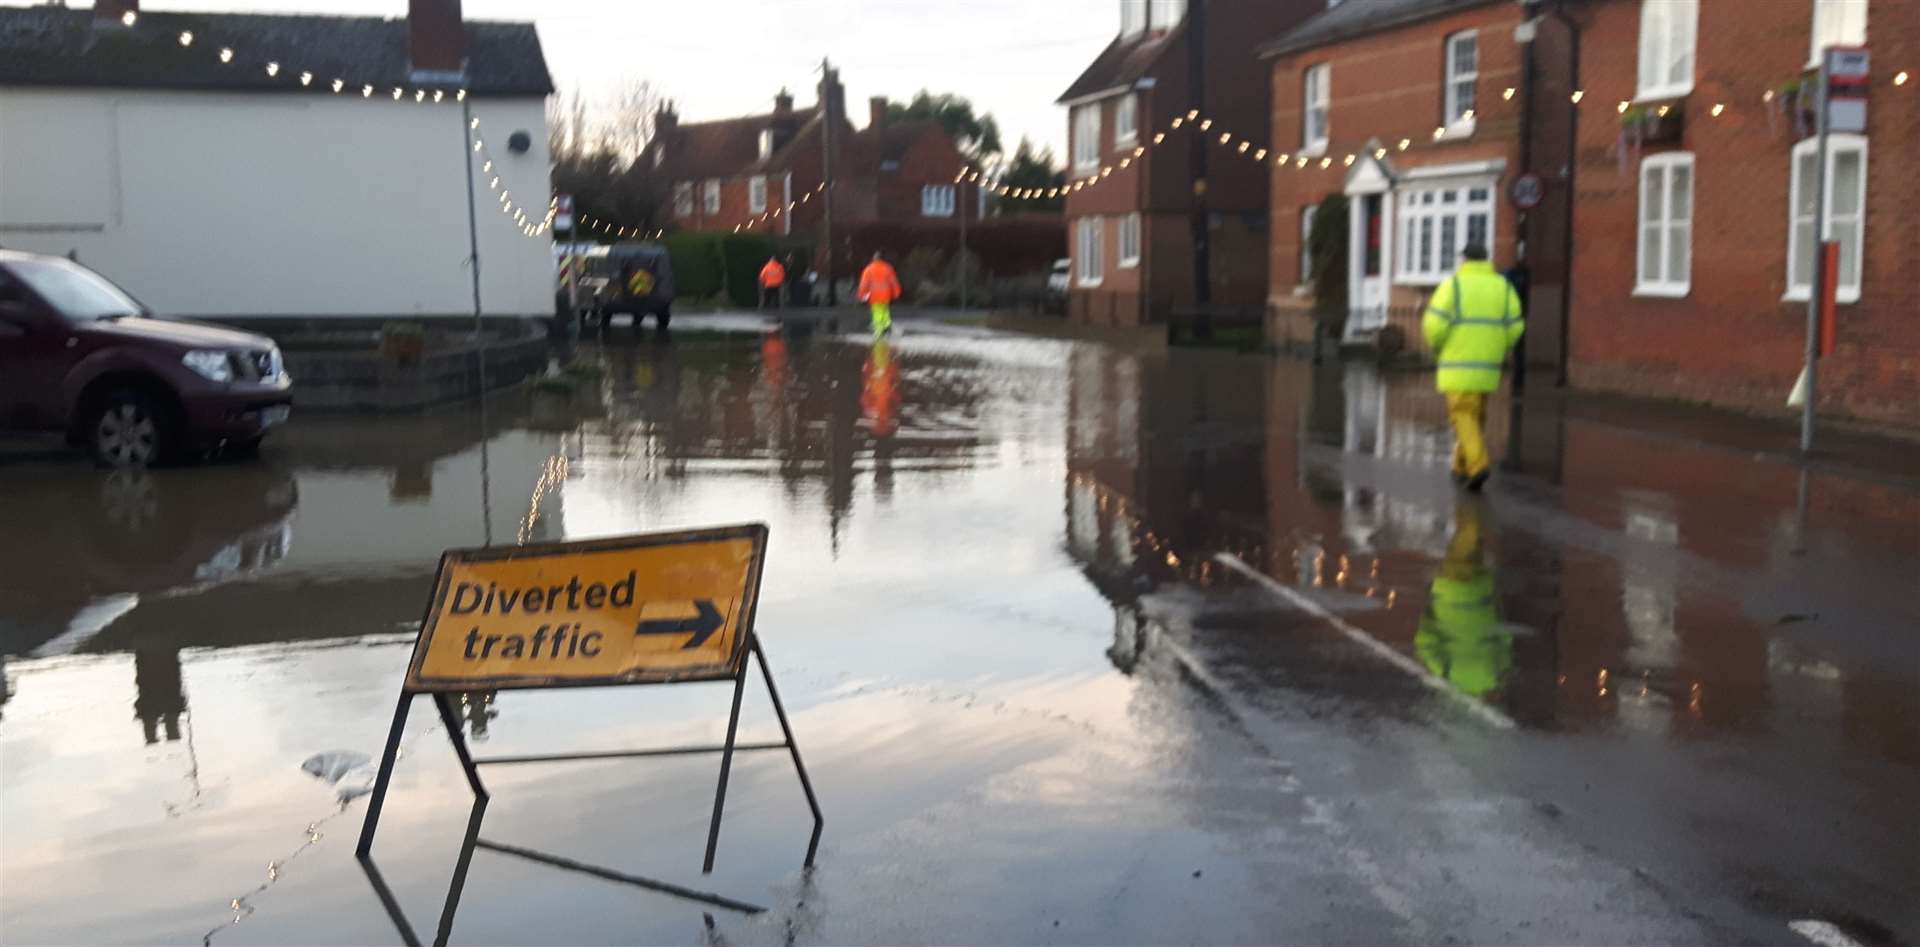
(880,390)
(1460,637)
(158,698)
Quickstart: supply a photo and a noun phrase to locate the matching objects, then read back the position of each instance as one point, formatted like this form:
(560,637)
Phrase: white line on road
(1486,713)
(1823,933)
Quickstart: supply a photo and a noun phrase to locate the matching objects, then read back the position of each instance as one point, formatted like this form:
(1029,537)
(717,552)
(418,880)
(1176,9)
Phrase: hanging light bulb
(339,84)
(186,37)
(366,91)
(273,69)
(129,18)
(437,94)
(226,55)
(398,92)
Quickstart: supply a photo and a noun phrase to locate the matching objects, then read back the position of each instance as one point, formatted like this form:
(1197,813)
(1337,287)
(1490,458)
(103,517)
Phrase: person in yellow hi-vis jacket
(1460,637)
(1471,323)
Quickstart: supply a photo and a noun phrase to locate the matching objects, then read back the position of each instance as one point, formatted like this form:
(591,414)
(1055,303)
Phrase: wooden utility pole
(827,82)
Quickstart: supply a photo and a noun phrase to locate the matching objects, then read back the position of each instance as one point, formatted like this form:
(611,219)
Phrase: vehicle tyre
(248,449)
(130,430)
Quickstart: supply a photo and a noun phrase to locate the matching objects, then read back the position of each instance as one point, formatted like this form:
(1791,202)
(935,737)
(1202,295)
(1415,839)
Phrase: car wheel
(130,431)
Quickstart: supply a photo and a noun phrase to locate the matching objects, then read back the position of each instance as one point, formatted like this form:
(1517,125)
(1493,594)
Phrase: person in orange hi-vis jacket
(772,277)
(879,287)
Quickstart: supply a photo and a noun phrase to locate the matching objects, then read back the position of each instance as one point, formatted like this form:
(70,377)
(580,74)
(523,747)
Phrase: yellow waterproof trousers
(1468,412)
(882,317)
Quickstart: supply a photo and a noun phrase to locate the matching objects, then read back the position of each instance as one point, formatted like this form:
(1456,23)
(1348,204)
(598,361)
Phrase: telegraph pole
(961,199)
(1197,155)
(826,163)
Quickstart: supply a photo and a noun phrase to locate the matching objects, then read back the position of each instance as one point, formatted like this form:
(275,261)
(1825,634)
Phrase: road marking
(1487,714)
(1823,933)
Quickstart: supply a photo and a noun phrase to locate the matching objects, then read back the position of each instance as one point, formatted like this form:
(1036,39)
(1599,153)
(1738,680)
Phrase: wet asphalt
(1081,645)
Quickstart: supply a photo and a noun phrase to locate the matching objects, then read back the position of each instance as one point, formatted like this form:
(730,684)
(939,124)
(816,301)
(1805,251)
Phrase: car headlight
(211,365)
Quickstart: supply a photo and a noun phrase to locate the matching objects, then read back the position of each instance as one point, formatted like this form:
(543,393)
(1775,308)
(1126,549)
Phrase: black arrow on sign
(701,626)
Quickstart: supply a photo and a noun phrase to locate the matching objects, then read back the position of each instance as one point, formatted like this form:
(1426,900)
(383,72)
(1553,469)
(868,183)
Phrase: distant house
(1132,235)
(764,171)
(246,165)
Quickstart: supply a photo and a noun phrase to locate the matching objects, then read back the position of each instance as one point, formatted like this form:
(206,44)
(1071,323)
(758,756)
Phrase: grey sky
(727,57)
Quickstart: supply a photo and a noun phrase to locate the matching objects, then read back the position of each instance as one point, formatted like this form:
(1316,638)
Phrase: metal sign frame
(748,643)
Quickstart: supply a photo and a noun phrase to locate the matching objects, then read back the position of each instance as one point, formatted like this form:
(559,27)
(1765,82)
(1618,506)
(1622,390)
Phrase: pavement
(1081,645)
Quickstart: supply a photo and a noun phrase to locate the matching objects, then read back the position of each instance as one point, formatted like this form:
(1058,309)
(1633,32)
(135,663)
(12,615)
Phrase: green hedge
(706,265)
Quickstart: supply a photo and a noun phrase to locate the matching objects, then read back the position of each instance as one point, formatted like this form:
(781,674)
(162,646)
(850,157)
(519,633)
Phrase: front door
(1366,266)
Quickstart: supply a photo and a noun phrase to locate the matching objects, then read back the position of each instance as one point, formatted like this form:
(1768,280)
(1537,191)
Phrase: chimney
(877,112)
(783,103)
(665,120)
(436,39)
(113,12)
(833,97)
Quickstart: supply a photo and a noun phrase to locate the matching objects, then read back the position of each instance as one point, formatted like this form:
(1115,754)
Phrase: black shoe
(1460,480)
(1478,481)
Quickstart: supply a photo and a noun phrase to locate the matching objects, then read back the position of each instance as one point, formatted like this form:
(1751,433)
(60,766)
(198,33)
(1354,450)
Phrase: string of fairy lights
(1320,157)
(517,212)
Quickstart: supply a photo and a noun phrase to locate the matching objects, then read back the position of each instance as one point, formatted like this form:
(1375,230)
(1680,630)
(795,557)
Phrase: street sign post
(665,608)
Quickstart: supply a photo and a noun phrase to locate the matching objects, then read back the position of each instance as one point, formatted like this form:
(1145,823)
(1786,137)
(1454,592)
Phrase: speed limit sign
(1527,191)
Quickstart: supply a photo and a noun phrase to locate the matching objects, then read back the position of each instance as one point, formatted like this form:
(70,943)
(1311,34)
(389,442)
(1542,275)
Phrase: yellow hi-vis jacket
(1471,323)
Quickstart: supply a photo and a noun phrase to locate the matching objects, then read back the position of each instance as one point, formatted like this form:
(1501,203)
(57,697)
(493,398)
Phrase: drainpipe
(1573,165)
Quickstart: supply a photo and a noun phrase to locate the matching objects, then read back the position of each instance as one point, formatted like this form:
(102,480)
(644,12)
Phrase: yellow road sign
(633,610)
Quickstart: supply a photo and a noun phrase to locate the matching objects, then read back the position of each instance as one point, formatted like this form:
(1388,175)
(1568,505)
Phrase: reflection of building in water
(478,710)
(808,411)
(1163,464)
(159,698)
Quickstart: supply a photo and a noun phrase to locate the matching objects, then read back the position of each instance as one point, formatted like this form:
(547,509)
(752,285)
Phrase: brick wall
(1732,339)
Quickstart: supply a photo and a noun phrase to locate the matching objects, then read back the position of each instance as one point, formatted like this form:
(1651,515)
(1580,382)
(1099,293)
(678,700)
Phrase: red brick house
(1410,109)
(1131,235)
(762,171)
(1694,236)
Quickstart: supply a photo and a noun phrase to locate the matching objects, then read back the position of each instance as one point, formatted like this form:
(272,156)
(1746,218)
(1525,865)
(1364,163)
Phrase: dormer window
(766,143)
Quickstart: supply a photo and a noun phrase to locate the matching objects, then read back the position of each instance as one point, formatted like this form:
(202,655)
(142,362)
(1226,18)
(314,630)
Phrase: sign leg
(793,747)
(459,882)
(387,758)
(726,767)
(450,718)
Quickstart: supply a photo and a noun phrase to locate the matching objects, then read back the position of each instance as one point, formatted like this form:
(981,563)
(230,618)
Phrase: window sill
(1662,292)
(1130,264)
(1460,130)
(1316,150)
(1126,144)
(1087,284)
(1663,94)
(1421,282)
(1802,295)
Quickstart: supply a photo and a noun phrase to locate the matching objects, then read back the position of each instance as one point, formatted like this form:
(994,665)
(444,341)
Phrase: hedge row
(716,265)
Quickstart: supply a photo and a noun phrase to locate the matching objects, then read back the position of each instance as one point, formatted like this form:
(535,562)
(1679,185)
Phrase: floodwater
(1080,646)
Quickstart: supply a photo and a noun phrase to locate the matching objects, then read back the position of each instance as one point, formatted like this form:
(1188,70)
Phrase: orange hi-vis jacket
(773,275)
(878,283)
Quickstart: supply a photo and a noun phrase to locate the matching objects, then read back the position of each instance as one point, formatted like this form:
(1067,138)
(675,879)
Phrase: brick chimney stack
(112,12)
(666,120)
(833,97)
(436,38)
(783,103)
(877,112)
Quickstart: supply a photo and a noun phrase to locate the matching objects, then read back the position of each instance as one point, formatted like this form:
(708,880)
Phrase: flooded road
(1081,646)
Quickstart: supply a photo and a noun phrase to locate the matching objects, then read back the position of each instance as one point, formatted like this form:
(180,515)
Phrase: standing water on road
(1082,646)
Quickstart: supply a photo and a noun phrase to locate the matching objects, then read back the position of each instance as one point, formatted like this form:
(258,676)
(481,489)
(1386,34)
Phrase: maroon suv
(81,357)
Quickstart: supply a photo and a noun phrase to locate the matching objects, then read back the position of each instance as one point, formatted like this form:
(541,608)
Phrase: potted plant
(403,343)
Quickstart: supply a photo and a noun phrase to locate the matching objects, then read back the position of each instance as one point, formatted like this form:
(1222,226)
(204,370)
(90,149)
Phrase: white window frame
(757,194)
(710,197)
(1412,209)
(937,200)
(1669,32)
(1090,248)
(1126,121)
(1657,174)
(1133,18)
(1307,214)
(1460,115)
(1837,23)
(683,199)
(1086,137)
(766,143)
(1164,14)
(1130,241)
(1850,279)
(1316,93)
